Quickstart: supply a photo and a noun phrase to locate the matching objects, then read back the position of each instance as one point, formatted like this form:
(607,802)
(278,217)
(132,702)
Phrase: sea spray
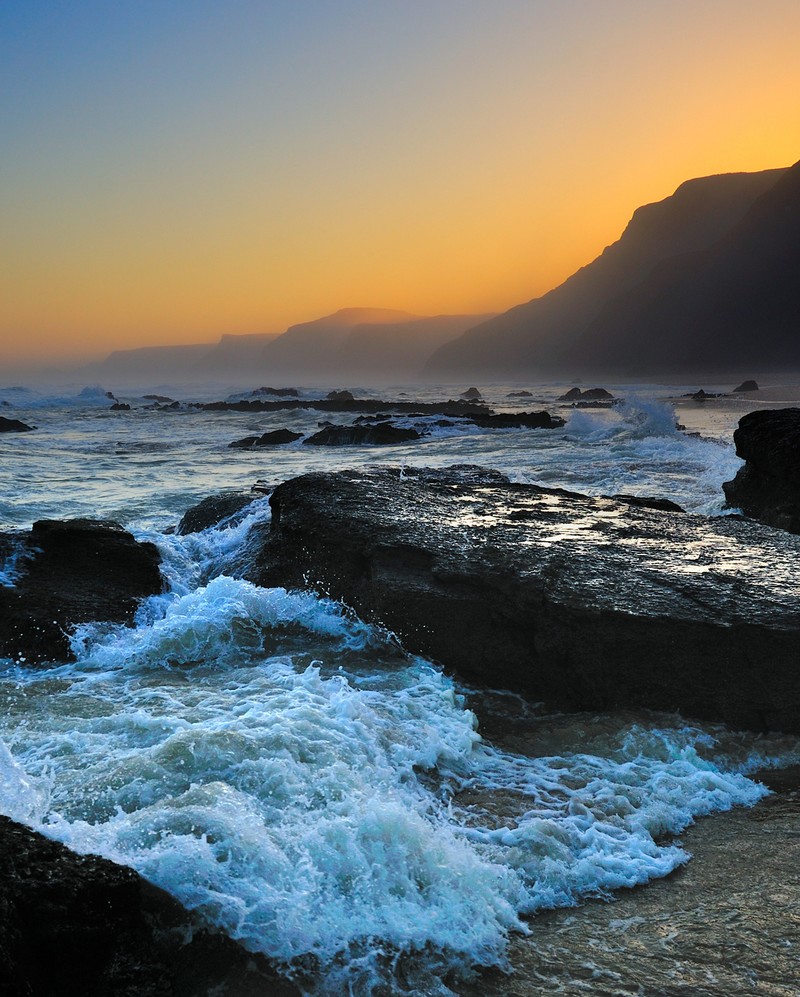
(300,784)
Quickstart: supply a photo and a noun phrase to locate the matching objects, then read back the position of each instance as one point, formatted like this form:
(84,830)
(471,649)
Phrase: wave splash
(298,782)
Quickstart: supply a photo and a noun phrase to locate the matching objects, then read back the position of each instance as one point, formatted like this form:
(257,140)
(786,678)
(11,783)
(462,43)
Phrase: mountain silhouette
(605,315)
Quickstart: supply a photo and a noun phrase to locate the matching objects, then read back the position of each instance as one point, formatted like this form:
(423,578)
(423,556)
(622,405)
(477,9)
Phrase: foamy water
(288,772)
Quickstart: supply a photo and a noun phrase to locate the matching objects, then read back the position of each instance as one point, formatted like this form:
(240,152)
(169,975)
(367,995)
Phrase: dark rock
(583,603)
(382,434)
(81,926)
(340,396)
(71,572)
(471,395)
(518,420)
(279,392)
(13,426)
(519,394)
(768,486)
(450,408)
(163,399)
(590,395)
(211,511)
(275,438)
(646,502)
(746,386)
(121,407)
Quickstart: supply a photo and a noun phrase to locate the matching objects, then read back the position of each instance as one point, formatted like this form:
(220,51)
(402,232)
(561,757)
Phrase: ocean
(288,772)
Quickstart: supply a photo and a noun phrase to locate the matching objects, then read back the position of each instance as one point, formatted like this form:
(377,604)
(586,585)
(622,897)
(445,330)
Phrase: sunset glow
(174,171)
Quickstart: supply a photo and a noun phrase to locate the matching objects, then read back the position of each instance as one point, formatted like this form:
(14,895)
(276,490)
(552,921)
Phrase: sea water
(292,775)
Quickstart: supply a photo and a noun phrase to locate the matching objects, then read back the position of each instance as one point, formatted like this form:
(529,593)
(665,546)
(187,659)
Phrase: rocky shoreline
(583,603)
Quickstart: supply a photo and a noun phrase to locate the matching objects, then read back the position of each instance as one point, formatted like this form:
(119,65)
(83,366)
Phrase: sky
(173,171)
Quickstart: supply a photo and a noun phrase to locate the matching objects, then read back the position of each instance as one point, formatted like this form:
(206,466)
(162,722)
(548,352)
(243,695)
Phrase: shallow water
(289,773)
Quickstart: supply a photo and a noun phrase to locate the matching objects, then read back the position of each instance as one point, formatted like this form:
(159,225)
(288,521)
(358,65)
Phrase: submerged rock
(382,434)
(67,573)
(211,511)
(13,426)
(768,486)
(583,603)
(519,394)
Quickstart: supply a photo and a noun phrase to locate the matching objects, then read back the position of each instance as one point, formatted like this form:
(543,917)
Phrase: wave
(297,781)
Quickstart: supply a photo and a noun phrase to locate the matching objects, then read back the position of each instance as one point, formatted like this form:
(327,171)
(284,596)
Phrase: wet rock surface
(66,573)
(380,434)
(275,438)
(211,511)
(583,603)
(80,925)
(768,486)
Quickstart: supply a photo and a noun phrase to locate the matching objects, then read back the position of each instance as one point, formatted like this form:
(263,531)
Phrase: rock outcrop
(275,438)
(746,386)
(211,511)
(13,426)
(65,573)
(579,602)
(81,926)
(768,486)
(380,434)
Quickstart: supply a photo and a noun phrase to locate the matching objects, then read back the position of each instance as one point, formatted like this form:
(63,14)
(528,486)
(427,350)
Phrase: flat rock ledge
(63,573)
(581,603)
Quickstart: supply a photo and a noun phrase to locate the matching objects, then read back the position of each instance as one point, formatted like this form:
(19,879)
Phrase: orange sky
(169,179)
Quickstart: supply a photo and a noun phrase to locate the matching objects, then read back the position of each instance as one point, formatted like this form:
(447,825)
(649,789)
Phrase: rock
(518,420)
(211,511)
(67,573)
(746,386)
(340,396)
(582,603)
(519,394)
(163,399)
(14,426)
(471,395)
(124,407)
(275,438)
(590,395)
(768,486)
(373,406)
(81,926)
(278,392)
(382,434)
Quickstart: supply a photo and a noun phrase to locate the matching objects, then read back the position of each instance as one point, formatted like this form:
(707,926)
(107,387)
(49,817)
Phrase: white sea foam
(338,814)
(285,770)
